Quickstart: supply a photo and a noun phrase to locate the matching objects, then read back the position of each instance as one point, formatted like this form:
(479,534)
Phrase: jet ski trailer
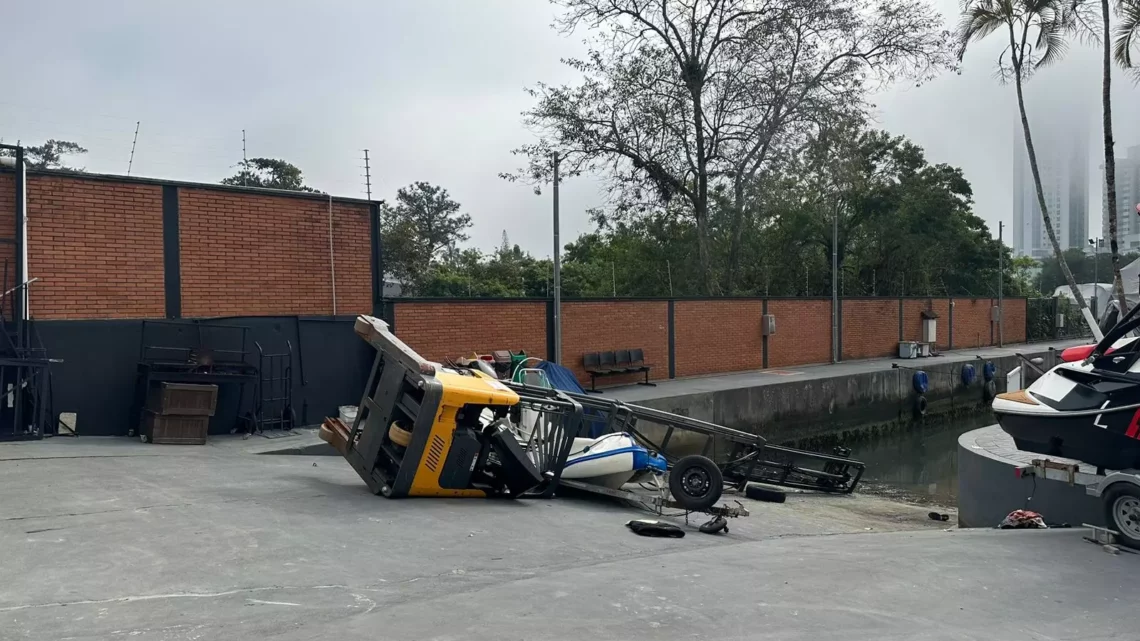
(740,457)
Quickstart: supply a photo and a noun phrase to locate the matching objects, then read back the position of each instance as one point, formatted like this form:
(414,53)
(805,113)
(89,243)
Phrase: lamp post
(1097,244)
(557,273)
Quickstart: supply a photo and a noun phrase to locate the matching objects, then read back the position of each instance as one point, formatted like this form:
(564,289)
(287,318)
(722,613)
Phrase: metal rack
(274,408)
(191,352)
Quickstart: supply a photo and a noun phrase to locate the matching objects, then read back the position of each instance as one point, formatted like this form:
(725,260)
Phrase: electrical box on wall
(929,330)
(767,325)
(995,314)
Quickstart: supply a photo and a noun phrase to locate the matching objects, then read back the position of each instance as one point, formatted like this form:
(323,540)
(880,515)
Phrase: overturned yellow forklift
(427,430)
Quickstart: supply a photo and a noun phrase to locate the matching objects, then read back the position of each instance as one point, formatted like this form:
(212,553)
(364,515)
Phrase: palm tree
(1098,28)
(1127,35)
(1036,31)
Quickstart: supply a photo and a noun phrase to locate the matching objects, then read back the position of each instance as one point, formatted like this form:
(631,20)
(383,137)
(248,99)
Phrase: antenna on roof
(134,142)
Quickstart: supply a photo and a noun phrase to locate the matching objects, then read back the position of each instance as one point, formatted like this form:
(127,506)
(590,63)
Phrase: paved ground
(112,539)
(758,378)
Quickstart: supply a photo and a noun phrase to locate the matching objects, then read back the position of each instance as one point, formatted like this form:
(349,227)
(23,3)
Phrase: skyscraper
(1127,197)
(1062,147)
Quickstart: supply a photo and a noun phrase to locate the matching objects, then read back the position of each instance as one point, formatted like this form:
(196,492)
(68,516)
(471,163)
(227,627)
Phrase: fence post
(672,340)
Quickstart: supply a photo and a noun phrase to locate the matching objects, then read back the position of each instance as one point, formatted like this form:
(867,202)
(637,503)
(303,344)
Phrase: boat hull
(1072,436)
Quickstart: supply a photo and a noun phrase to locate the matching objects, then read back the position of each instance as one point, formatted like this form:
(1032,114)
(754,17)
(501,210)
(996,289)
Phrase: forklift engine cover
(456,449)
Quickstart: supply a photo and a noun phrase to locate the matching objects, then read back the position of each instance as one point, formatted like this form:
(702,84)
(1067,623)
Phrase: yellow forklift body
(458,391)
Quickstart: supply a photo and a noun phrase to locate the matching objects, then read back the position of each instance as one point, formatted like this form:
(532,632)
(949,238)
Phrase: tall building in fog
(1127,197)
(1062,147)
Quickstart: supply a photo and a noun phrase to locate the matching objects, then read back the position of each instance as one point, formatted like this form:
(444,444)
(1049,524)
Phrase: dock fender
(920,381)
(969,375)
(920,405)
(989,390)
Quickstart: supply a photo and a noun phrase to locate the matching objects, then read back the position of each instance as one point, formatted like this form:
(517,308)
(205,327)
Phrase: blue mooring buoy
(920,382)
(989,370)
(969,375)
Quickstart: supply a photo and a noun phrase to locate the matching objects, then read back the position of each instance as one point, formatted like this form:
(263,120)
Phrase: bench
(622,361)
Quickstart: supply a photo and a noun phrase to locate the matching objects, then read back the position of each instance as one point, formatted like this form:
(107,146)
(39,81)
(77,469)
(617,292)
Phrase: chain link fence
(1054,318)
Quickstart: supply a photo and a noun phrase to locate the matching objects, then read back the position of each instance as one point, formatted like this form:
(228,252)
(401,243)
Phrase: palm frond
(1127,34)
(979,19)
(1051,44)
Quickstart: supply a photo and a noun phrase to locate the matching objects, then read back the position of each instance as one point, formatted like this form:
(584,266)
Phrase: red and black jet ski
(1087,408)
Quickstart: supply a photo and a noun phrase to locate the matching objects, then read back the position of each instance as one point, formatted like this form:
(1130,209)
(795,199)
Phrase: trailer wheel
(761,493)
(1122,512)
(696,483)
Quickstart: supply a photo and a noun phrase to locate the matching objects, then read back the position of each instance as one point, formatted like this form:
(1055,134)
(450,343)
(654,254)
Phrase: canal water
(918,465)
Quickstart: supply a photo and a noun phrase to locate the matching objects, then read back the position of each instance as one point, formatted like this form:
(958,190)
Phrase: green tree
(1035,32)
(268,173)
(421,229)
(49,155)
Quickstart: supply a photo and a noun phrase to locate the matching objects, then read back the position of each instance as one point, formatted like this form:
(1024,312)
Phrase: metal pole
(1001,282)
(557,274)
(367,176)
(19,312)
(244,162)
(131,162)
(835,358)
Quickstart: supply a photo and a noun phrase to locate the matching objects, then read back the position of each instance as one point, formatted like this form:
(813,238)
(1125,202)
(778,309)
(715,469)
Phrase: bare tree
(818,58)
(1036,32)
(680,95)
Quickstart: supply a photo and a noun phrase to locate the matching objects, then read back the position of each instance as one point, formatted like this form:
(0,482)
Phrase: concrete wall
(804,408)
(988,490)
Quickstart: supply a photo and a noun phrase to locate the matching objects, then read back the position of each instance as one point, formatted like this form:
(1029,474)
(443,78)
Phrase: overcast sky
(433,88)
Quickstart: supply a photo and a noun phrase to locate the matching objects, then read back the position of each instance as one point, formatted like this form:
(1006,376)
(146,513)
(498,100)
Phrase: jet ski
(1086,408)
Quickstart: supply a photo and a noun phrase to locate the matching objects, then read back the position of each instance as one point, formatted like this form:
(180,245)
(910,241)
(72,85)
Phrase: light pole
(1096,244)
(557,274)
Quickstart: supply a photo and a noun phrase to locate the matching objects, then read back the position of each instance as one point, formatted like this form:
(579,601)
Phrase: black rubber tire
(920,406)
(696,483)
(1117,492)
(761,493)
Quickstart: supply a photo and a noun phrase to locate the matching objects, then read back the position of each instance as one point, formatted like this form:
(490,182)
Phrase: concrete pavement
(110,539)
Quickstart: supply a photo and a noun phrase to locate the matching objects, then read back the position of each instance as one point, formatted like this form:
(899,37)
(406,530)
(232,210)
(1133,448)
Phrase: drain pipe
(332,258)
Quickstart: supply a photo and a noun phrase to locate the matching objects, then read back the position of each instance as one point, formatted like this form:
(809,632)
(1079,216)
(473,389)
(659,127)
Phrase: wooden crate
(183,399)
(175,430)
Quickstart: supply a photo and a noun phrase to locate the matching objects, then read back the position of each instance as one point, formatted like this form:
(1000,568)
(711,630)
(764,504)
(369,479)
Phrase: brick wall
(803,332)
(439,331)
(612,325)
(717,336)
(96,247)
(972,322)
(248,254)
(8,230)
(870,328)
(1014,310)
(912,320)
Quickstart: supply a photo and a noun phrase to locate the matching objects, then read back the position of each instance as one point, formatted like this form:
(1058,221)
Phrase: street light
(1097,245)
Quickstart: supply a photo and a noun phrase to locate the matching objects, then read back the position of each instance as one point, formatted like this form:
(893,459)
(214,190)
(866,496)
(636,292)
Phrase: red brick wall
(803,332)
(439,331)
(612,325)
(717,336)
(96,247)
(8,230)
(248,254)
(1014,309)
(972,322)
(870,328)
(912,320)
